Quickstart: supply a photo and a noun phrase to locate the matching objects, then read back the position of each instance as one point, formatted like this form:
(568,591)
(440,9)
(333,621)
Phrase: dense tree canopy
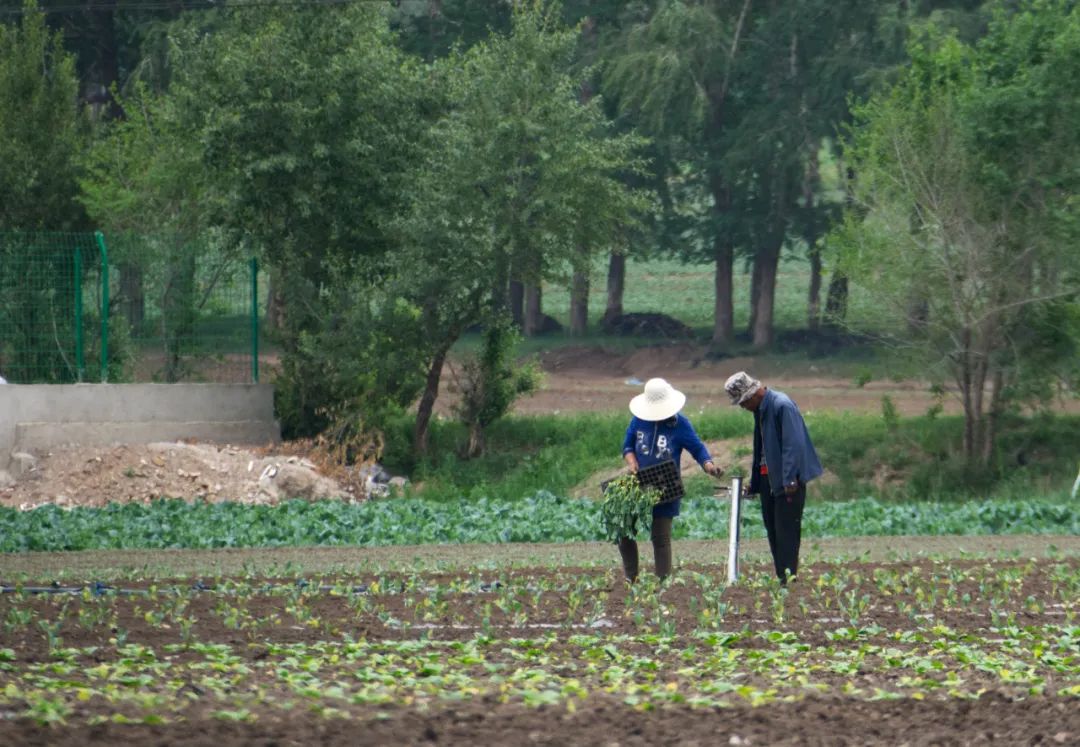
(968,175)
(42,130)
(401,168)
(521,176)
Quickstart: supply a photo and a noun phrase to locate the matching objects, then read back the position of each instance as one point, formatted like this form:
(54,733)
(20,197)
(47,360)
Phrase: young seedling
(626,508)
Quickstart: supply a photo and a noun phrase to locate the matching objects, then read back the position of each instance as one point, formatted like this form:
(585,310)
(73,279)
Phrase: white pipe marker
(733,530)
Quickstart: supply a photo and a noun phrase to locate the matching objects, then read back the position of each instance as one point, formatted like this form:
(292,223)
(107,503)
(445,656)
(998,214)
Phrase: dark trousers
(661,542)
(783,523)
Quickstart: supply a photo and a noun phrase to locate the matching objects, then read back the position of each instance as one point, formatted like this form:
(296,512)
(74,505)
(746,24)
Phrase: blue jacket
(654,441)
(789,454)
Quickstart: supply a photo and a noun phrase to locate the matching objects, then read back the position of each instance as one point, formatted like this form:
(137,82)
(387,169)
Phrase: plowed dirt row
(919,652)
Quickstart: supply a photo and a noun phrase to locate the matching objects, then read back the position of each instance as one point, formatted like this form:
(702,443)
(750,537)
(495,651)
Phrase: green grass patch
(686,292)
(865,455)
(526,454)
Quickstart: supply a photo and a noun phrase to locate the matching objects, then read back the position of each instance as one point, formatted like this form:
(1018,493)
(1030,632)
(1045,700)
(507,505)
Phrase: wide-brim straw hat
(659,401)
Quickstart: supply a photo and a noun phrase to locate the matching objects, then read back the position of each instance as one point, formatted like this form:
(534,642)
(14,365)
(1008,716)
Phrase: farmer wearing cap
(784,461)
(658,432)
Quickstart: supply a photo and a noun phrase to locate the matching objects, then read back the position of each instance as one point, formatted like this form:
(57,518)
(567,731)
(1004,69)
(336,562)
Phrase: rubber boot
(661,542)
(628,551)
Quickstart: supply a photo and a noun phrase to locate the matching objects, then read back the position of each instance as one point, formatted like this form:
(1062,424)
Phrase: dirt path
(594,379)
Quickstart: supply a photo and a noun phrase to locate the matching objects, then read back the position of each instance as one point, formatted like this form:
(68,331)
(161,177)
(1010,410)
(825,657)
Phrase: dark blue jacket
(789,454)
(653,441)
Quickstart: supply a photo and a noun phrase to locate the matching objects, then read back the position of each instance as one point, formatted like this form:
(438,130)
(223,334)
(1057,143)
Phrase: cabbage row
(542,517)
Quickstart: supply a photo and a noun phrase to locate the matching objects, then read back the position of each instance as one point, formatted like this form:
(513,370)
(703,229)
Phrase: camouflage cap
(741,387)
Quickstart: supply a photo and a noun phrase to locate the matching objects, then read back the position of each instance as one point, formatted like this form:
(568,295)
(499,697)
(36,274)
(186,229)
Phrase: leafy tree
(365,355)
(432,28)
(41,127)
(112,42)
(521,175)
(144,185)
(967,175)
(41,133)
(305,120)
(741,96)
(490,381)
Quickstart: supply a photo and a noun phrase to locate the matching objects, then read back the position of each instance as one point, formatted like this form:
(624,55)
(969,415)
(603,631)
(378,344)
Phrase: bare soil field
(927,651)
(589,378)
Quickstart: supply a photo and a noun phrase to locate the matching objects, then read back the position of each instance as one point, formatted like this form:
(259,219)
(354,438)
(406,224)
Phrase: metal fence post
(733,530)
(80,361)
(254,320)
(104,305)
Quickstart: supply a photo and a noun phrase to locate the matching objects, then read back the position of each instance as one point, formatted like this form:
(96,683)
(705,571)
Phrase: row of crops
(239,649)
(542,517)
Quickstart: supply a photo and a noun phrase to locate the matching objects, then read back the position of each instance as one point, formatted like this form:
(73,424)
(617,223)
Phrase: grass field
(866,454)
(685,291)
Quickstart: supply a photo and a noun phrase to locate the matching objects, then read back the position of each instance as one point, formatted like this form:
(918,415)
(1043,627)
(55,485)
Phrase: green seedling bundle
(626,507)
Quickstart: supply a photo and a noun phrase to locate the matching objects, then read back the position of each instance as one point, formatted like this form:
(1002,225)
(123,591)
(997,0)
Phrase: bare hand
(712,469)
(631,462)
(791,488)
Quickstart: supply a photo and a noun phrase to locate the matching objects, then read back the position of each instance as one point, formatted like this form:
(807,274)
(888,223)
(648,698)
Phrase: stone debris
(22,464)
(84,476)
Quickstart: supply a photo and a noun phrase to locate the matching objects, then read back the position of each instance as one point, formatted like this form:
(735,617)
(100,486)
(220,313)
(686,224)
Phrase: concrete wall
(43,416)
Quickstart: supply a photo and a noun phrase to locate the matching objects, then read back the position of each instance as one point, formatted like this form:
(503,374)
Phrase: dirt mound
(646,325)
(582,360)
(95,476)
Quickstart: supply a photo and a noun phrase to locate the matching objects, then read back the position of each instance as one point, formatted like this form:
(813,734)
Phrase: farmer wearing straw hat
(784,461)
(658,432)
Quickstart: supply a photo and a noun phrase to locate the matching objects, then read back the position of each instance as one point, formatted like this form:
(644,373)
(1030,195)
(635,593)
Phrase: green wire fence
(76,307)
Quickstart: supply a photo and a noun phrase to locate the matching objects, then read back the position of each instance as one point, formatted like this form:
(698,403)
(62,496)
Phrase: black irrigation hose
(98,588)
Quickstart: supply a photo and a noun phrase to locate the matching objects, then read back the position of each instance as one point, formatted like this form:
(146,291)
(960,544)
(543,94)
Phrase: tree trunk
(579,304)
(813,304)
(724,256)
(275,304)
(502,279)
(813,251)
(970,418)
(755,292)
(616,283)
(723,302)
(178,310)
(427,400)
(534,310)
(836,301)
(517,303)
(971,377)
(105,68)
(133,296)
(918,315)
(477,442)
(991,427)
(767,263)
